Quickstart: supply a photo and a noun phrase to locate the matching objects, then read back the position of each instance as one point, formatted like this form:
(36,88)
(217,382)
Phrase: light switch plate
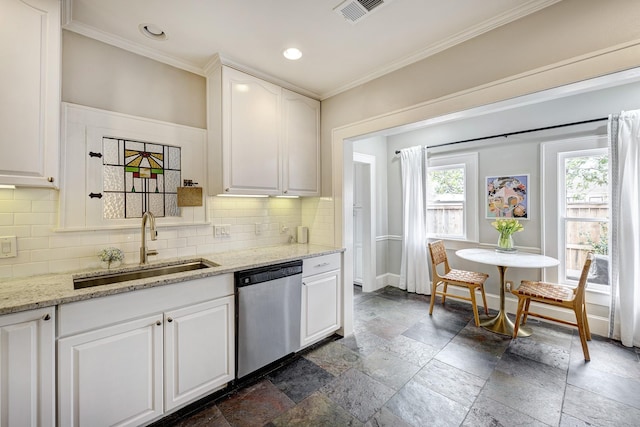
(8,247)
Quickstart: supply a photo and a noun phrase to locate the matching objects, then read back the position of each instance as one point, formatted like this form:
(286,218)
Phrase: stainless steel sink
(140,273)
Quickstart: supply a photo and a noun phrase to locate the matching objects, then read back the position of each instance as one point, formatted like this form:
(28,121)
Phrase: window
(452,197)
(584,214)
(576,210)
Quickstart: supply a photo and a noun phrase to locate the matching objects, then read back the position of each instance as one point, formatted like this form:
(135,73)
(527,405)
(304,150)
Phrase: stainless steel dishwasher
(268,315)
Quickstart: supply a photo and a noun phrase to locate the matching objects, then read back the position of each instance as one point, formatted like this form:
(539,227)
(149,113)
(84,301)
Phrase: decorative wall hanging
(507,196)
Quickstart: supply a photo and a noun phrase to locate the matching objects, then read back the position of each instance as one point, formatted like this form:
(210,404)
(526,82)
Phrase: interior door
(358,223)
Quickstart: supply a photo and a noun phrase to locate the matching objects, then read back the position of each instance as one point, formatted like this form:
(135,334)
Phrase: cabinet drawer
(320,264)
(98,312)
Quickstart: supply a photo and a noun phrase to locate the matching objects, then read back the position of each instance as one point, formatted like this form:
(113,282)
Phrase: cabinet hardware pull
(92,154)
(50,179)
(323,264)
(94,195)
(158,323)
(169,319)
(226,190)
(46,317)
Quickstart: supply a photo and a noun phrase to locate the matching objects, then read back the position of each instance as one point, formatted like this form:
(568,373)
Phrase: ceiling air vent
(356,10)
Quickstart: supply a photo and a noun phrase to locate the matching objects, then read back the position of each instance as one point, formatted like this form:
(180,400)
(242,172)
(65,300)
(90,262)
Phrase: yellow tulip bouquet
(506,227)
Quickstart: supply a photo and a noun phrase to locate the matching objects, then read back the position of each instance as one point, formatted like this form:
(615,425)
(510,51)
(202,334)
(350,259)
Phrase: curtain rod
(519,132)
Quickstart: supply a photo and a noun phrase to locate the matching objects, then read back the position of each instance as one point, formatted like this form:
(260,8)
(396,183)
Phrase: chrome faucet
(144,253)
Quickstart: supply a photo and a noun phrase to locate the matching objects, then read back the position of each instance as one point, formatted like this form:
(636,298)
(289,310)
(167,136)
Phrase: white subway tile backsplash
(31,215)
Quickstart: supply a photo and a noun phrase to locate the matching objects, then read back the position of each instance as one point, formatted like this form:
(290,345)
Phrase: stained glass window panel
(140,176)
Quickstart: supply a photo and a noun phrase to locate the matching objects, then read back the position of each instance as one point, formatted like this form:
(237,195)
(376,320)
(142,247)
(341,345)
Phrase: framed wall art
(507,196)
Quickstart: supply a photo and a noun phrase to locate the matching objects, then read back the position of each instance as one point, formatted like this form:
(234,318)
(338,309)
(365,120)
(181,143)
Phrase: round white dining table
(501,324)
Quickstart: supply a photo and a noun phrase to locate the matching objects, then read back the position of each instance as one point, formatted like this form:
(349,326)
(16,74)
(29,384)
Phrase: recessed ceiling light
(152,31)
(292,53)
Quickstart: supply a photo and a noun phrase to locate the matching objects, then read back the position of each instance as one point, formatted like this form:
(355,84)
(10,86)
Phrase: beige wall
(568,30)
(99,75)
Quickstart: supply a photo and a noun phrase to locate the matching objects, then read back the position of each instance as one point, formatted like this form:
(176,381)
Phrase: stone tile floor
(403,367)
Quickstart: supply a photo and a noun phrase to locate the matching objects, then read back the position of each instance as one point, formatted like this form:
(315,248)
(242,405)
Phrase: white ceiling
(337,54)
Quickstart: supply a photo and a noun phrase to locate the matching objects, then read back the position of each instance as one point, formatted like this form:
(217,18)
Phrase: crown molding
(218,60)
(69,24)
(127,45)
(484,27)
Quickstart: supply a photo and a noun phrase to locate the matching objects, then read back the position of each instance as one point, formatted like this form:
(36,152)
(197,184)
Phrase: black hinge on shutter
(92,154)
(95,195)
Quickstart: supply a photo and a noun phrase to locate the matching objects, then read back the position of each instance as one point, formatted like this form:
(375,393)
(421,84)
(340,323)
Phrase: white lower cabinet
(112,375)
(320,298)
(197,344)
(27,368)
(129,359)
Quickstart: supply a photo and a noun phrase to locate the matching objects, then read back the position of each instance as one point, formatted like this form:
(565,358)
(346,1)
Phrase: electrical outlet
(223,230)
(283,228)
(8,247)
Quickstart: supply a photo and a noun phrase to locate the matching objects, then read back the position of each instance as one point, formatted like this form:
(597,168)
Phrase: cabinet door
(199,350)
(250,134)
(30,87)
(320,306)
(301,144)
(27,368)
(112,375)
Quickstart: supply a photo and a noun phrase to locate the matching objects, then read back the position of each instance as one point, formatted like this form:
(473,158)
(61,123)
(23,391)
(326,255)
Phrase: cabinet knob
(46,317)
(158,323)
(226,190)
(169,319)
(286,191)
(50,179)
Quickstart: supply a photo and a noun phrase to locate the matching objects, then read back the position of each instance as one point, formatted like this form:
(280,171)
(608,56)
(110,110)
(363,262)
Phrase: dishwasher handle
(268,273)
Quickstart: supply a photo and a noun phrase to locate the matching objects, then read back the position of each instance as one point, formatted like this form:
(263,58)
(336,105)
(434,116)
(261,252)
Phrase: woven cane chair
(558,296)
(465,279)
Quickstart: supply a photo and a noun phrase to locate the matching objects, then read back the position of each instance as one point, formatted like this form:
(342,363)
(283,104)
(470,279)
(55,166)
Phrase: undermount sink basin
(140,273)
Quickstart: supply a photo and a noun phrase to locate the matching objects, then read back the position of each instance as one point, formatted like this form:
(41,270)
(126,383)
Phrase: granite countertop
(27,293)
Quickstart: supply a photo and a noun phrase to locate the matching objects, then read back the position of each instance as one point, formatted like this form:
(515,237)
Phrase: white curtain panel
(624,132)
(414,271)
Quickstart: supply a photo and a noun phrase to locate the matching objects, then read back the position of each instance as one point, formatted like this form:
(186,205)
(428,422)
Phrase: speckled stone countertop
(27,293)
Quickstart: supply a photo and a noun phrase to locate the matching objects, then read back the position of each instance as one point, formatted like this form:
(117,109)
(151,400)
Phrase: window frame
(551,227)
(563,219)
(471,222)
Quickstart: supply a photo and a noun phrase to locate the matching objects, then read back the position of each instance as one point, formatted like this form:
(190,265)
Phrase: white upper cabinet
(30,87)
(301,144)
(263,139)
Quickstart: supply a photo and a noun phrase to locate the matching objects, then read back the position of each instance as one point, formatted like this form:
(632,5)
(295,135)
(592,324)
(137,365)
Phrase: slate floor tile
(451,382)
(543,404)
(469,360)
(333,357)
(300,379)
(419,405)
(597,410)
(255,405)
(612,386)
(359,394)
(316,411)
(487,412)
(388,368)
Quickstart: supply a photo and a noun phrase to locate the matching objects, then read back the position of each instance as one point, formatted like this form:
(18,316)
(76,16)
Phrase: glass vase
(505,242)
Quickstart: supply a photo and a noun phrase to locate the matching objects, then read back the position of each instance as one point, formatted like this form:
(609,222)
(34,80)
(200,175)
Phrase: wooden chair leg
(586,322)
(444,292)
(516,325)
(526,311)
(474,305)
(484,301)
(582,332)
(434,289)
